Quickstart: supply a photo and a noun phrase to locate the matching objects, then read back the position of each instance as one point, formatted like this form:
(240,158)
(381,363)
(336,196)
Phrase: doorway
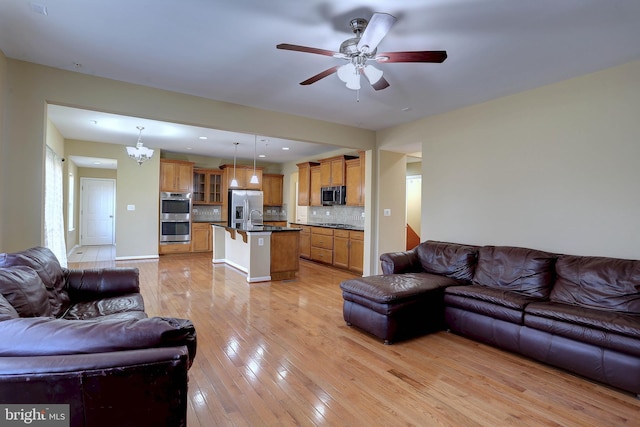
(97,211)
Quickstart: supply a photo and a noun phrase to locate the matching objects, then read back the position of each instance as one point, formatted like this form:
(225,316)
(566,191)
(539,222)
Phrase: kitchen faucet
(252,211)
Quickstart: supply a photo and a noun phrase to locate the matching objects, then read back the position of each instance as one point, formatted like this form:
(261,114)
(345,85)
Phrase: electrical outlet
(387,212)
(328,213)
(131,207)
(260,241)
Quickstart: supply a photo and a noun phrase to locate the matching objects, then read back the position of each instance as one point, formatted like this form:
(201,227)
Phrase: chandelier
(139,153)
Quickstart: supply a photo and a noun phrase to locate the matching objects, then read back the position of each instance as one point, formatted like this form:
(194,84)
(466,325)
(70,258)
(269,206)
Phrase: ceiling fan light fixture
(349,74)
(372,74)
(345,71)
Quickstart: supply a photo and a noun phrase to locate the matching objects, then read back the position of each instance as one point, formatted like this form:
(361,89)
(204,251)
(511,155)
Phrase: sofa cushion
(448,259)
(128,303)
(6,309)
(45,263)
(598,282)
(608,329)
(525,271)
(493,302)
(24,290)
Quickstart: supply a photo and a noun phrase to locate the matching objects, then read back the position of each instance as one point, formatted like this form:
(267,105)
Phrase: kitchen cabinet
(305,241)
(243,174)
(332,171)
(341,248)
(272,187)
(176,176)
(356,251)
(348,250)
(174,248)
(207,186)
(277,223)
(314,199)
(201,237)
(304,182)
(322,244)
(354,172)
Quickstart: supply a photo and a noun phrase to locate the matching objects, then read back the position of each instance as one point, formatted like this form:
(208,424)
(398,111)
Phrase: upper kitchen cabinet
(355,180)
(207,186)
(272,187)
(304,182)
(243,175)
(332,171)
(314,199)
(176,176)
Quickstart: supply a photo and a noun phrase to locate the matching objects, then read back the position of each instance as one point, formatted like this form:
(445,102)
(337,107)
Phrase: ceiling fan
(363,48)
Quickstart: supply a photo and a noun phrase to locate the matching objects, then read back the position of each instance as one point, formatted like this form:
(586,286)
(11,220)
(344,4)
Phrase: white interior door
(97,215)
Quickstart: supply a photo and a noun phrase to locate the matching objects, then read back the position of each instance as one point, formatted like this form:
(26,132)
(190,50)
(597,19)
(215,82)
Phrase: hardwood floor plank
(280,354)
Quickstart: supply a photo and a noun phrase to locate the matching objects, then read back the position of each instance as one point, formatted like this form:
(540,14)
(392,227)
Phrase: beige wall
(392,177)
(30,87)
(554,168)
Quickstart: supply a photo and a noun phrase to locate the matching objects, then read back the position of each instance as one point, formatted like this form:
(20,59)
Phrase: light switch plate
(387,212)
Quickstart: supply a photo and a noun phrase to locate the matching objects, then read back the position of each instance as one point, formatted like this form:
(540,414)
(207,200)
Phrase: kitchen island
(264,252)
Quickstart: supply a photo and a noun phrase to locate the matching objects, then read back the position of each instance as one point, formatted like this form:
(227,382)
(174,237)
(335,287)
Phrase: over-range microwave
(331,196)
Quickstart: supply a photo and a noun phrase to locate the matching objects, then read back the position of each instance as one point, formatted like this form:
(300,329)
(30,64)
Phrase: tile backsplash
(351,215)
(206,213)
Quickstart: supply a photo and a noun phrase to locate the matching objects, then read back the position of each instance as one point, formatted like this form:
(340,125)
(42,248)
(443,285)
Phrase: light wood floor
(279,353)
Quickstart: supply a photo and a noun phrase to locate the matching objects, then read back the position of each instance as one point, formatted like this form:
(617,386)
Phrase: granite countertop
(331,225)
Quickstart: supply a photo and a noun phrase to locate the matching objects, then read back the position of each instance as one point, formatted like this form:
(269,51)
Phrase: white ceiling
(225,50)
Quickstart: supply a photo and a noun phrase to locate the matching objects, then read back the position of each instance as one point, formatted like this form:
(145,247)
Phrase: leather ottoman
(396,306)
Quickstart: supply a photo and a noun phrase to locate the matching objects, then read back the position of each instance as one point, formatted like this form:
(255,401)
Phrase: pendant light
(254,178)
(234,181)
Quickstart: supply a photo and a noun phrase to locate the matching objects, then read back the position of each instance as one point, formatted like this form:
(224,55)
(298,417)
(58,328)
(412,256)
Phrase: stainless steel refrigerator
(244,205)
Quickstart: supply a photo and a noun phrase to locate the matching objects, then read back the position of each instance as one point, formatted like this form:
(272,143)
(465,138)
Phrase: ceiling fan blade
(378,27)
(306,49)
(320,76)
(418,56)
(380,84)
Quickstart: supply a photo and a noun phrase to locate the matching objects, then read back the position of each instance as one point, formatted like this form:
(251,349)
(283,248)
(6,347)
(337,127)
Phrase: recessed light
(406,109)
(285,148)
(189,148)
(262,156)
(202,137)
(97,163)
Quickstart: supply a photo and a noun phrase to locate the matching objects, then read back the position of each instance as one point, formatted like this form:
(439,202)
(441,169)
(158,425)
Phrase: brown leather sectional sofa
(82,338)
(578,313)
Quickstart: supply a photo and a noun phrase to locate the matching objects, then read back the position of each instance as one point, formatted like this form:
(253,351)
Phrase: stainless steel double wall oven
(175,218)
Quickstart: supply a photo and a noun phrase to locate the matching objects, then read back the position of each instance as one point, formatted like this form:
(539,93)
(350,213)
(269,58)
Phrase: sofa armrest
(400,262)
(40,336)
(96,283)
(142,388)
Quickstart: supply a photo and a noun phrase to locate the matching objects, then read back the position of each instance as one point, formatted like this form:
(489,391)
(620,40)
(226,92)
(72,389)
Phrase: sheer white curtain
(53,210)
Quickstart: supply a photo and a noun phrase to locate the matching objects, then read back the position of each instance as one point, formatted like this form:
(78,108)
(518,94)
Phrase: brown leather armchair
(82,338)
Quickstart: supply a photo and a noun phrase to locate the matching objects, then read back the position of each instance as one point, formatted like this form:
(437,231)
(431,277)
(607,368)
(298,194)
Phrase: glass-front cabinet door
(215,187)
(207,186)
